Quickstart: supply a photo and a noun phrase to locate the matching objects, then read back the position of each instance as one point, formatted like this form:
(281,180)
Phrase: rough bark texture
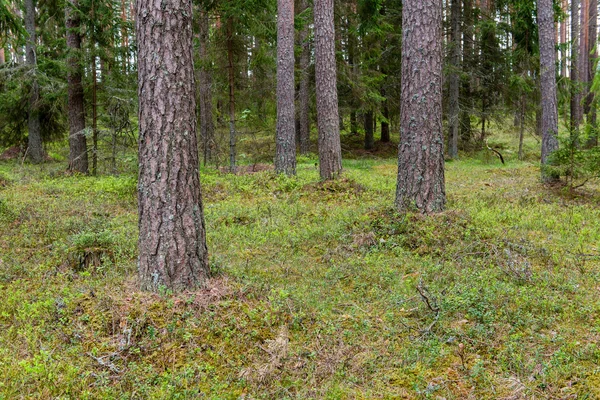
(35,151)
(172,242)
(369,135)
(330,151)
(207,125)
(421,149)
(563,39)
(78,157)
(549,118)
(304,92)
(454,81)
(285,152)
(584,53)
(576,109)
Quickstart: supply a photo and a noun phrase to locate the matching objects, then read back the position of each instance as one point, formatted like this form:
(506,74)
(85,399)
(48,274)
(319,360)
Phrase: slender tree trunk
(545,17)
(2,56)
(232,134)
(78,157)
(590,100)
(584,54)
(304,95)
(576,109)
(563,39)
(421,151)
(172,241)
(385,123)
(467,68)
(35,150)
(94,118)
(207,126)
(330,151)
(522,126)
(285,155)
(454,81)
(369,135)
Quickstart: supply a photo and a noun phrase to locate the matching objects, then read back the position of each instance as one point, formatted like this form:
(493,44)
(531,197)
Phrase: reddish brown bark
(172,241)
(421,150)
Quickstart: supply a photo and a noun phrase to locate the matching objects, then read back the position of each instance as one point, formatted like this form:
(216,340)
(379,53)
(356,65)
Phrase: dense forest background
(398,199)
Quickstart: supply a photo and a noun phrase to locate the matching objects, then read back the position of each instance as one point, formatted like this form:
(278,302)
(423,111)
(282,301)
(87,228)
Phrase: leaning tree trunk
(285,153)
(78,157)
(330,151)
(35,150)
(576,109)
(207,126)
(549,118)
(421,150)
(172,241)
(304,93)
(454,81)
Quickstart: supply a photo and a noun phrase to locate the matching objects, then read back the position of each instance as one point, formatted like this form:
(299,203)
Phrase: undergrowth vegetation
(319,290)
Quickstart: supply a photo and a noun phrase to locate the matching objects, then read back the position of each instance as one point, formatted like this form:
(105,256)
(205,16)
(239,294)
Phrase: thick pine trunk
(207,126)
(421,150)
(576,109)
(549,118)
(454,81)
(304,93)
(330,151)
(285,153)
(35,150)
(78,157)
(172,242)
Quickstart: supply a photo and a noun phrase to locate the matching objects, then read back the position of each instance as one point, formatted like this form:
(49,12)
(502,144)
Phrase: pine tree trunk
(78,157)
(385,124)
(467,68)
(35,150)
(232,134)
(369,135)
(576,109)
(285,153)
(453,81)
(590,100)
(421,151)
(172,241)
(563,39)
(584,54)
(330,151)
(549,118)
(207,126)
(304,95)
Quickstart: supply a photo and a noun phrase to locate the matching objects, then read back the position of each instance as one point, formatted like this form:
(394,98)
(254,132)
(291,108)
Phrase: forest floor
(319,290)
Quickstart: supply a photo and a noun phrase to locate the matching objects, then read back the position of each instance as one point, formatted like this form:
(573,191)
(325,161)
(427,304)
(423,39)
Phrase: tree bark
(330,151)
(369,135)
(421,150)
(584,54)
(304,93)
(285,153)
(454,81)
(545,17)
(78,157)
(385,123)
(590,100)
(172,241)
(576,109)
(35,150)
(467,68)
(207,126)
(232,134)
